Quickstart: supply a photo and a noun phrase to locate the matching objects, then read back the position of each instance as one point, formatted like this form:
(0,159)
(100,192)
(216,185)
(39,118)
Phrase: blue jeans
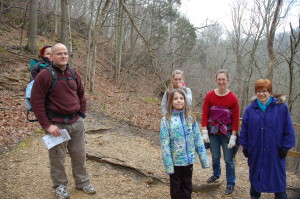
(216,141)
(255,195)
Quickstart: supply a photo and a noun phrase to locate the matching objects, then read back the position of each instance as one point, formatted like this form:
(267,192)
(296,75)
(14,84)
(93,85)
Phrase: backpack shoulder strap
(54,78)
(74,75)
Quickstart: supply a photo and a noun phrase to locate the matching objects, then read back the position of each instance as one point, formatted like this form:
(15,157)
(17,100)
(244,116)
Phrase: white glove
(205,136)
(231,141)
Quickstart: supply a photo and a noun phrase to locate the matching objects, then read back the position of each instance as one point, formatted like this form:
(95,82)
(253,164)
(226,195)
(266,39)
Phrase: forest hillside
(136,100)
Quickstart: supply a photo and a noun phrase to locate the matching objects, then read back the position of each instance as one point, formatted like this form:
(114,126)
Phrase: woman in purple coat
(266,136)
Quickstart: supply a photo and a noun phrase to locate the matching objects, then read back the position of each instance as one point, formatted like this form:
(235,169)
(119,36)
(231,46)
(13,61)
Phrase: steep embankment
(133,99)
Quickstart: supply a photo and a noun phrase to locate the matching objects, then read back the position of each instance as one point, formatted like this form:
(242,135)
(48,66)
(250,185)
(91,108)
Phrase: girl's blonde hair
(175,72)
(188,116)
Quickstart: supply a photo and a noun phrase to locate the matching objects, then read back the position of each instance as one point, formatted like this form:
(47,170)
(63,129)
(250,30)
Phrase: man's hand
(53,130)
(205,136)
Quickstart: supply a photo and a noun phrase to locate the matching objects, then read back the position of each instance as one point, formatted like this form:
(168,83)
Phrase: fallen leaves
(14,126)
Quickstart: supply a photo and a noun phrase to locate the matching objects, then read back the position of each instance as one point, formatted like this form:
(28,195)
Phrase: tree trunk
(237,12)
(85,9)
(64,23)
(294,44)
(153,58)
(69,32)
(270,45)
(1,11)
(119,41)
(170,39)
(55,16)
(47,4)
(132,31)
(89,42)
(99,20)
(93,67)
(32,27)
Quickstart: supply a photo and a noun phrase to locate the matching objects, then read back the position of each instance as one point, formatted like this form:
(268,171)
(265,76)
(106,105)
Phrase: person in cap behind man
(45,62)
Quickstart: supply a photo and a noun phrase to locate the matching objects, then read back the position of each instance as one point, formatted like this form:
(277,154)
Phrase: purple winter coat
(263,134)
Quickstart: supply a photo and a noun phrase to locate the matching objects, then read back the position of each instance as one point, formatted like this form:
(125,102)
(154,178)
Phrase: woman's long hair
(171,87)
(175,72)
(188,116)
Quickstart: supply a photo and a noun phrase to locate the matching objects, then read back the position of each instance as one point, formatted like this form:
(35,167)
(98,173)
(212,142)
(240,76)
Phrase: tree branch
(153,58)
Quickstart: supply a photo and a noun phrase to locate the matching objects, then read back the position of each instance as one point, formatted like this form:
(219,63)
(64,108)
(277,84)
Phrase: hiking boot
(212,179)
(229,190)
(62,192)
(89,189)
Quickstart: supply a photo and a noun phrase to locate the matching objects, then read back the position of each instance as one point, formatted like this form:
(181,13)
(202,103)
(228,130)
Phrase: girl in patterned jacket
(180,139)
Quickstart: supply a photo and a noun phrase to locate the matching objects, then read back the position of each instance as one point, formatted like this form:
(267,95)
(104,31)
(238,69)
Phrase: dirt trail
(24,171)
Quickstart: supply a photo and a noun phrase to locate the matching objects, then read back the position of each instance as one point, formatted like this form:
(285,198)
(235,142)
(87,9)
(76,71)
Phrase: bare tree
(132,31)
(32,27)
(238,42)
(95,27)
(91,29)
(119,40)
(65,25)
(294,45)
(47,4)
(55,8)
(271,35)
(1,10)
(153,58)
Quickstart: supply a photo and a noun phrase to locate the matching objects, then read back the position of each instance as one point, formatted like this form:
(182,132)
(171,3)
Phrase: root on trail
(121,163)
(202,188)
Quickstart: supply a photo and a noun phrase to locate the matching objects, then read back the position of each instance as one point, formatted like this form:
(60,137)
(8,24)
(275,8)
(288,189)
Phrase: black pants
(181,182)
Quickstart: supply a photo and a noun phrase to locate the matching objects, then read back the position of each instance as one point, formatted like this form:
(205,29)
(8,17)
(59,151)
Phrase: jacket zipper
(185,137)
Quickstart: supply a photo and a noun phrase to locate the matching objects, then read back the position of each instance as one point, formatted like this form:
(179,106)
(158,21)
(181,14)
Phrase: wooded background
(153,38)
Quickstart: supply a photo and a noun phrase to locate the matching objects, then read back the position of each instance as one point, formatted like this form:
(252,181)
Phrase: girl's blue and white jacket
(179,141)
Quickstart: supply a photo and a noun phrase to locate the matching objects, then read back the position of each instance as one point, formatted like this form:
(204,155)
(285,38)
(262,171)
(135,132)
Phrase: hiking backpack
(52,86)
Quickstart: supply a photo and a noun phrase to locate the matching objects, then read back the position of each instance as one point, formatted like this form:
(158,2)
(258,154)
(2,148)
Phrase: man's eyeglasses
(62,54)
(263,92)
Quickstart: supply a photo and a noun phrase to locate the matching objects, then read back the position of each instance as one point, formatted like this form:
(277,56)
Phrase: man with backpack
(63,108)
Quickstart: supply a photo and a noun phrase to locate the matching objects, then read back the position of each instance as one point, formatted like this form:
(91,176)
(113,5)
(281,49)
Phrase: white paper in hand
(51,141)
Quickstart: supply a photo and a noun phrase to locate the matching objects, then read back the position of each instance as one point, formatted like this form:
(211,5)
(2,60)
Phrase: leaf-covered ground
(24,171)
